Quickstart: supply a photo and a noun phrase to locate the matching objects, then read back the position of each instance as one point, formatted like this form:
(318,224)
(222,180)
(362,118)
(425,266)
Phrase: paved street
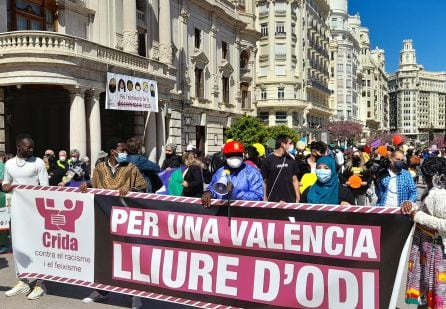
(61,296)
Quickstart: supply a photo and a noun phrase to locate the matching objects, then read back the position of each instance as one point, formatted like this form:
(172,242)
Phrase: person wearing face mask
(398,186)
(358,178)
(115,173)
(308,165)
(280,173)
(327,189)
(245,182)
(77,170)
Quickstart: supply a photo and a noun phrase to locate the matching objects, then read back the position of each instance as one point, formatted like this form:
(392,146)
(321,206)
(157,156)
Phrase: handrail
(56,43)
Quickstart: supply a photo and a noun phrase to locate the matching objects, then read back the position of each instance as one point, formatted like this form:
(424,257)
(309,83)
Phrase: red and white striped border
(261,204)
(114,289)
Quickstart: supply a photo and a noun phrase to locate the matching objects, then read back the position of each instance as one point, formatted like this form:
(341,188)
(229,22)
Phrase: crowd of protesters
(293,172)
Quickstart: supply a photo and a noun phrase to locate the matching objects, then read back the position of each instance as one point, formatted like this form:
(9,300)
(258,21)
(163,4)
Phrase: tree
(438,140)
(273,132)
(344,130)
(247,130)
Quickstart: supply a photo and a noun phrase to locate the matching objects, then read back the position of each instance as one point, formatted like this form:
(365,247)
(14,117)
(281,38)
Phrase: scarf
(325,193)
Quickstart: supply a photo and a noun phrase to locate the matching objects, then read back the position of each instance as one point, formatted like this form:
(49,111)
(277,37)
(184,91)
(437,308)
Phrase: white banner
(5,213)
(131,93)
(60,239)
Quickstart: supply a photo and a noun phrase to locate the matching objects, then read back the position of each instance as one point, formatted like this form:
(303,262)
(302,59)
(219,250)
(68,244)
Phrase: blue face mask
(122,157)
(398,166)
(323,175)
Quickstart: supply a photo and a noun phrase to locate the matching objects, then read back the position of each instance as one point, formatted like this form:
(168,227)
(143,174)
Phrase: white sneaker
(37,292)
(20,288)
(94,297)
(136,302)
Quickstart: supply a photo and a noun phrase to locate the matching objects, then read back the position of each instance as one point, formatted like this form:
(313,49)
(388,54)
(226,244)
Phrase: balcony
(35,50)
(245,75)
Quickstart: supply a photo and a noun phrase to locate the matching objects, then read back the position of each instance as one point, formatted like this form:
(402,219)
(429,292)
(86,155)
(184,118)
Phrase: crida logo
(60,221)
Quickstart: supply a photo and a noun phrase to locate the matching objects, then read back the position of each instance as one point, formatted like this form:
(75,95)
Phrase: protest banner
(131,93)
(173,249)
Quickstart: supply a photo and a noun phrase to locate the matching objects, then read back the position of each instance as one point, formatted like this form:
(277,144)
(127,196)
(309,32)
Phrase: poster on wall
(131,93)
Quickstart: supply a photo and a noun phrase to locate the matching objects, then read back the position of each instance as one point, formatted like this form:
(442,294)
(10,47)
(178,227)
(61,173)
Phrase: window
(281,93)
(263,71)
(281,118)
(264,29)
(280,5)
(280,28)
(246,97)
(263,94)
(295,119)
(263,8)
(349,68)
(224,50)
(33,15)
(280,49)
(280,70)
(199,83)
(264,117)
(225,87)
(340,68)
(197,38)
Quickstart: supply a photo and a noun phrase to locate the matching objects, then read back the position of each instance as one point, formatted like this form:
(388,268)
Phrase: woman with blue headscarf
(327,189)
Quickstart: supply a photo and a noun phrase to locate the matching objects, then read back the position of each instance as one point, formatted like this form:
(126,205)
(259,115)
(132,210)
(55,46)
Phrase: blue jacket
(247,181)
(406,188)
(148,169)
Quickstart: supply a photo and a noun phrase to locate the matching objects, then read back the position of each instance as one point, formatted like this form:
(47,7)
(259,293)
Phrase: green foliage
(247,130)
(273,132)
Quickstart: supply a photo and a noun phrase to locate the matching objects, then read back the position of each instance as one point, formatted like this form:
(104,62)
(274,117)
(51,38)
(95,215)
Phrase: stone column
(94,124)
(78,130)
(160,134)
(130,32)
(165,31)
(150,137)
(2,121)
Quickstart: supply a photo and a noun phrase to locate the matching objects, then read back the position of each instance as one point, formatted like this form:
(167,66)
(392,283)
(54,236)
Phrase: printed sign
(53,233)
(173,249)
(131,93)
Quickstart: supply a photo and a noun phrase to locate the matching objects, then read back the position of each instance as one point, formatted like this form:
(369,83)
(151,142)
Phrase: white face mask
(234,162)
(62,158)
(291,147)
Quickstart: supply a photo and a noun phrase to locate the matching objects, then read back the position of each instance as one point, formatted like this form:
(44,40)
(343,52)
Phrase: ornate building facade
(54,57)
(417,98)
(293,61)
(357,74)
(345,72)
(374,90)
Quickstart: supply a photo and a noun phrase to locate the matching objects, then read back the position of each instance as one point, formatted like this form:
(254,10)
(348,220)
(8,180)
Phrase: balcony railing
(51,44)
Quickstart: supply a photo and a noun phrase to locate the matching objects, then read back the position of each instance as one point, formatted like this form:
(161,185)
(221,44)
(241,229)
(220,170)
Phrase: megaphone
(221,186)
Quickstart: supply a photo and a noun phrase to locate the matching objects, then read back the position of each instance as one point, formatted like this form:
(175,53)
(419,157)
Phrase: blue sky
(392,21)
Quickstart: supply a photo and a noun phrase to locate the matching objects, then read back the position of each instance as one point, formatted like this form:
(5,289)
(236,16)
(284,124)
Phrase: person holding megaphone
(235,180)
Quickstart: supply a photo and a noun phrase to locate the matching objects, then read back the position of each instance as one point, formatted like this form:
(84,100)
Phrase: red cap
(233,147)
(397,139)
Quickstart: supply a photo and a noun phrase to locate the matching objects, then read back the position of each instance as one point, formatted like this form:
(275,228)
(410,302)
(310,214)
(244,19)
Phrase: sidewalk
(62,296)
